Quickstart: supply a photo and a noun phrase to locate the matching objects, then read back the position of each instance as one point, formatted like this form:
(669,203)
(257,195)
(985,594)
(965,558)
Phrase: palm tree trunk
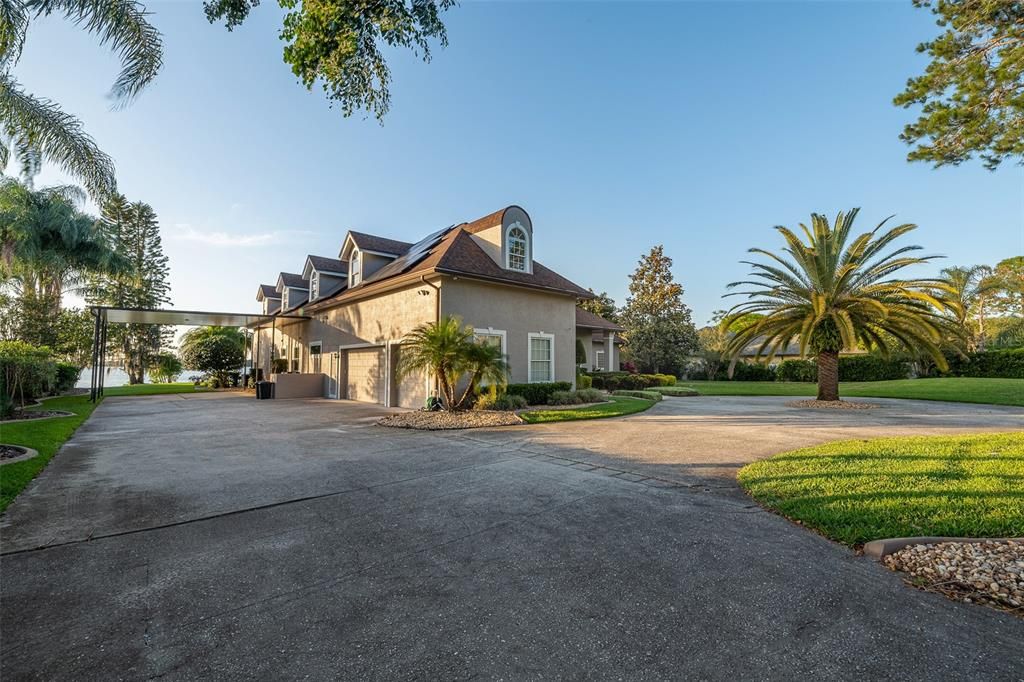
(828,375)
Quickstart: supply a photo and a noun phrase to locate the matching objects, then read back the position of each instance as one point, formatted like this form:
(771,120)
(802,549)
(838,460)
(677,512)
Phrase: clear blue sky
(616,125)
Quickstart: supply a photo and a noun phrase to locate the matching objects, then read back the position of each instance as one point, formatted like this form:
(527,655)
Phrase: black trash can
(264,390)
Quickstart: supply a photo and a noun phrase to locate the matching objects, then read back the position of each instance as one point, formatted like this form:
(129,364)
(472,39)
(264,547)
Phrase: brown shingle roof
(267,291)
(370,242)
(325,264)
(587,319)
(481,224)
(290,279)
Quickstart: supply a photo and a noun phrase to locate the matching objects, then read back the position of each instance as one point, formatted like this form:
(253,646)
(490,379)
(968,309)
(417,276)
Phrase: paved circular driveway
(218,536)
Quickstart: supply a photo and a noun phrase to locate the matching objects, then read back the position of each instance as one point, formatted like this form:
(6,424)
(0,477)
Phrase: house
(597,335)
(362,304)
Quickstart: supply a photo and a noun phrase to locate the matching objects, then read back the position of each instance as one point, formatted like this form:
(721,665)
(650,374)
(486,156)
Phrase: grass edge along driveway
(949,389)
(855,491)
(619,407)
(48,435)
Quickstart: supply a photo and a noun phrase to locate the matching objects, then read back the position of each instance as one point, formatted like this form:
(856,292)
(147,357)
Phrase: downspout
(437,298)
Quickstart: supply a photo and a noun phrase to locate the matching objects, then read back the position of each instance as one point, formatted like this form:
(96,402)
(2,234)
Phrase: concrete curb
(876,549)
(29,454)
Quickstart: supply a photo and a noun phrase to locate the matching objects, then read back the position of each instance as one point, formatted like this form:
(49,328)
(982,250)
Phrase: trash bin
(264,390)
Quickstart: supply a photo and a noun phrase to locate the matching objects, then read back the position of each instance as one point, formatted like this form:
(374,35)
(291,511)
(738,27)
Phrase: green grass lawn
(618,407)
(954,389)
(855,491)
(48,435)
(153,389)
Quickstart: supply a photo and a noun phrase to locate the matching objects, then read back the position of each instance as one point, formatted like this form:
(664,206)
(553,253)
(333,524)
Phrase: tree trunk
(828,375)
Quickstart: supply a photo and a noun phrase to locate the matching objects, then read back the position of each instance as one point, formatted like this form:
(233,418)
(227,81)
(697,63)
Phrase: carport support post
(103,353)
(94,367)
(256,353)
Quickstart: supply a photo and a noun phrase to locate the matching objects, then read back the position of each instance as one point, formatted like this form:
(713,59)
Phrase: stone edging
(29,454)
(876,549)
(39,419)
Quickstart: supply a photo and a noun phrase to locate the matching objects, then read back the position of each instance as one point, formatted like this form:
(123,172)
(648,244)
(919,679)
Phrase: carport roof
(188,317)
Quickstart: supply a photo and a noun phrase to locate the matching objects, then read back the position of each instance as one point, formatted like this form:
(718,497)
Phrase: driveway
(219,536)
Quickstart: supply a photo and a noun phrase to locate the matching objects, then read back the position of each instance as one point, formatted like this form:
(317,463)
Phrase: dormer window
(518,248)
(314,286)
(284,299)
(354,270)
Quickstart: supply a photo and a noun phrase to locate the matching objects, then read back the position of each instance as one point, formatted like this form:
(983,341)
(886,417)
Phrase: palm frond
(123,24)
(13,27)
(36,129)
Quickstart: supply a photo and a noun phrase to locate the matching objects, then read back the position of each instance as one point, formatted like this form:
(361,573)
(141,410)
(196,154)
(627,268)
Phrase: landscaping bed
(617,406)
(831,405)
(856,491)
(12,451)
(990,573)
(445,421)
(27,415)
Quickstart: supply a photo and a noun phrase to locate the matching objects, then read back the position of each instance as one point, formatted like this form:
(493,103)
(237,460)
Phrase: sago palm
(831,293)
(33,129)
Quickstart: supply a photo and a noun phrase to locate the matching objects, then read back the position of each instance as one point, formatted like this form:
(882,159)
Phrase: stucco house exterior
(362,304)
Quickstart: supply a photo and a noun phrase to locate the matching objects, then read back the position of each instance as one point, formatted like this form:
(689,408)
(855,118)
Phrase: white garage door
(365,375)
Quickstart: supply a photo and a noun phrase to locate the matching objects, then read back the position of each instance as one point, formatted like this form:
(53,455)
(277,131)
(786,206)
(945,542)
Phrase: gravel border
(832,405)
(450,421)
(988,572)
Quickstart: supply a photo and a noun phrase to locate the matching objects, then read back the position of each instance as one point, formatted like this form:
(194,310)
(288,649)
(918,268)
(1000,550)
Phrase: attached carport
(105,315)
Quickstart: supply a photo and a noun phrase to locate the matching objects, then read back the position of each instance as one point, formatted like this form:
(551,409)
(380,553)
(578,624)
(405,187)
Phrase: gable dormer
(507,237)
(364,254)
(294,290)
(268,296)
(325,275)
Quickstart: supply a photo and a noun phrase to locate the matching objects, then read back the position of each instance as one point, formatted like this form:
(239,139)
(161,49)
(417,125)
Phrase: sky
(616,125)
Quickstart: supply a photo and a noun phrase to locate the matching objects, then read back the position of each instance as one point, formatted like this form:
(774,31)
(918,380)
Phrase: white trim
(529,356)
(491,331)
(309,355)
(356,255)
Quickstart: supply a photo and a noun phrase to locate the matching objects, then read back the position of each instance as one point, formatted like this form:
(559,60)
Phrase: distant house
(790,352)
(600,341)
(363,303)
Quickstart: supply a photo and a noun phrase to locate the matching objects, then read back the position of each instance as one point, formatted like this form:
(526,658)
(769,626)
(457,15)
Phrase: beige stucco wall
(490,241)
(518,312)
(587,338)
(388,317)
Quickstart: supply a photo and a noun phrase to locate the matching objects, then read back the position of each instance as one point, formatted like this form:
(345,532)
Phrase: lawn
(855,491)
(953,389)
(48,435)
(618,407)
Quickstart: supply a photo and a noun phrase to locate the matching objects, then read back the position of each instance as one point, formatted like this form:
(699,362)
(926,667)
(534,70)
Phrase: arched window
(518,248)
(354,274)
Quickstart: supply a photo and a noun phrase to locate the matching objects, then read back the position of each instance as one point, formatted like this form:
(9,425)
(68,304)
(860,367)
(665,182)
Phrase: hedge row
(538,394)
(614,381)
(851,368)
(646,395)
(1005,363)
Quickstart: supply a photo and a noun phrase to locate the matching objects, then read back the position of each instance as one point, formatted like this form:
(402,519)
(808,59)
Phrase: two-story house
(362,304)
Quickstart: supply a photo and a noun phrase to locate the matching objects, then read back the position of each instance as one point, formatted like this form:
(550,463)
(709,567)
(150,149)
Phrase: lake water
(114,376)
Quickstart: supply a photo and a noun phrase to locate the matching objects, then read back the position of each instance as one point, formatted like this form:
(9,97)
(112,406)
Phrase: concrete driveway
(218,536)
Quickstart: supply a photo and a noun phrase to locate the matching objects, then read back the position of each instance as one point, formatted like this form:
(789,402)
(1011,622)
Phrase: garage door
(411,389)
(365,375)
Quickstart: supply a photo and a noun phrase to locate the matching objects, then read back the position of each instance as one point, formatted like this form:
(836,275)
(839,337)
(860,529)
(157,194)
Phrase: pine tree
(659,332)
(134,230)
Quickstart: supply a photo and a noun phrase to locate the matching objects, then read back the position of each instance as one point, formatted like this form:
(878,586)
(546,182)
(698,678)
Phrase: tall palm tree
(969,292)
(34,129)
(836,296)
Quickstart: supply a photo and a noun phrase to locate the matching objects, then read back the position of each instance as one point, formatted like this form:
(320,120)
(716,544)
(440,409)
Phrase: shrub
(584,381)
(613,381)
(505,403)
(665,380)
(66,377)
(797,370)
(752,371)
(26,372)
(1004,363)
(678,391)
(590,395)
(646,395)
(164,367)
(871,368)
(564,398)
(537,394)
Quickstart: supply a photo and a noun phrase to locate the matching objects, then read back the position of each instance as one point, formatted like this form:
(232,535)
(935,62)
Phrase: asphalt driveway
(218,536)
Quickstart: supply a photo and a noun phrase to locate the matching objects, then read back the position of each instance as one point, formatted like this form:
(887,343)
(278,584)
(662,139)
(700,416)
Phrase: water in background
(114,376)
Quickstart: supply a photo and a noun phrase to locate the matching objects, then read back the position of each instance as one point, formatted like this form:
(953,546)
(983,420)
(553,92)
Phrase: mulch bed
(832,405)
(444,421)
(11,451)
(38,414)
(989,572)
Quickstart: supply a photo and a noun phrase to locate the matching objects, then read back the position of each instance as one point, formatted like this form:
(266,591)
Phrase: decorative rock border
(876,549)
(58,415)
(29,454)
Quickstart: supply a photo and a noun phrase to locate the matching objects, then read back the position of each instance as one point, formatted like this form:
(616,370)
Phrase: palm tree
(450,351)
(835,296)
(33,129)
(969,292)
